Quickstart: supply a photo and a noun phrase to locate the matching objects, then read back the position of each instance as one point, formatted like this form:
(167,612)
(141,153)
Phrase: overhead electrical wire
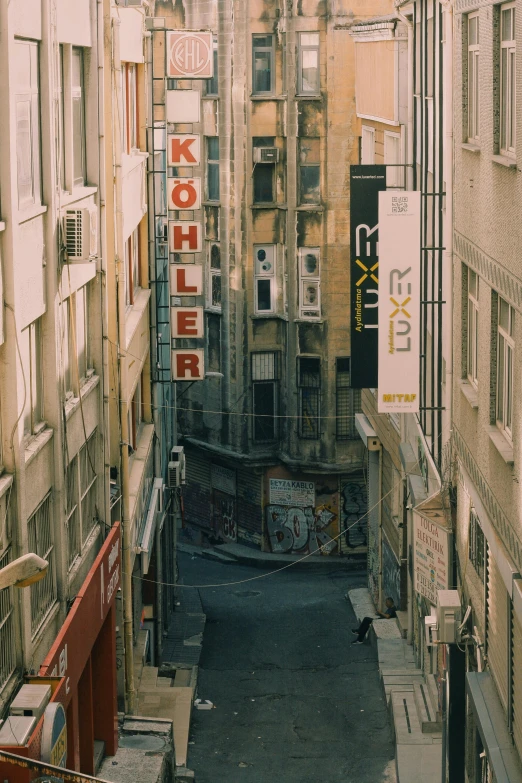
(277,570)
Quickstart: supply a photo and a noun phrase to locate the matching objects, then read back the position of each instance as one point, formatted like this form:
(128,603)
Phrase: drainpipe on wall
(103,259)
(409,139)
(130,692)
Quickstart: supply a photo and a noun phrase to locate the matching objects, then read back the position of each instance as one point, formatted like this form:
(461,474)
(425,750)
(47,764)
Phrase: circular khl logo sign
(190,55)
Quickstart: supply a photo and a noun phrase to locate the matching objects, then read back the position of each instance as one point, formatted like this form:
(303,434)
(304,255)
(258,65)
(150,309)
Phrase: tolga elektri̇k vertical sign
(365,184)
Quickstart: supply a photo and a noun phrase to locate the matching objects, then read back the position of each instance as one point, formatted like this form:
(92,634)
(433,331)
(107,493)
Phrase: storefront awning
(147,537)
(491,724)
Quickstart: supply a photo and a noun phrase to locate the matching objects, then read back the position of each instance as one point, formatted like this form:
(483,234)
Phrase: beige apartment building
(486,426)
(81,458)
(272,455)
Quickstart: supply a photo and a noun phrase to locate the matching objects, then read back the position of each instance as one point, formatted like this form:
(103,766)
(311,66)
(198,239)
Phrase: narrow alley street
(294,701)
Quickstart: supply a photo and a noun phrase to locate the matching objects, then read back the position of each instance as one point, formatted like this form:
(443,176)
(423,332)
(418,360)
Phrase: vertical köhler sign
(399,301)
(365,184)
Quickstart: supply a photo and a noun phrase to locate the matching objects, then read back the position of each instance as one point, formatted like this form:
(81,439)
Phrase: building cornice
(492,271)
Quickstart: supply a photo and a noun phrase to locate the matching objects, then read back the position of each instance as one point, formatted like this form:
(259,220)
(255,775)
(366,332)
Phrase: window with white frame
(309,283)
(507,79)
(392,158)
(505,357)
(74,343)
(473,77)
(309,171)
(132,267)
(263,64)
(265,395)
(7,628)
(264,279)
(31,352)
(214,276)
(27,112)
(73,163)
(129,92)
(473,316)
(40,540)
(368,146)
(308,80)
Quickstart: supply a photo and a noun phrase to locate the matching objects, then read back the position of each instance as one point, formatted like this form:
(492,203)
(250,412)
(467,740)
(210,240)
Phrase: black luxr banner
(365,184)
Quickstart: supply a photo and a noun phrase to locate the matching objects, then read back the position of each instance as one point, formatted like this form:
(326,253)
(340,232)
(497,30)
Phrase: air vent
(80,228)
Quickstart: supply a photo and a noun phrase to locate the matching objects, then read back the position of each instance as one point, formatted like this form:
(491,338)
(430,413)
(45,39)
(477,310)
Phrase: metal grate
(73,233)
(309,379)
(40,539)
(7,631)
(87,457)
(347,402)
(72,512)
(265,366)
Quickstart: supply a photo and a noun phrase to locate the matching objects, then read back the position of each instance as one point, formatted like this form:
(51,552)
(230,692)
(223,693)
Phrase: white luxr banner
(399,301)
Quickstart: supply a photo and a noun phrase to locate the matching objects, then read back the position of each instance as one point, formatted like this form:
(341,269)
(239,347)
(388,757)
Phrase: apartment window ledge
(309,320)
(269,206)
(6,481)
(470,147)
(309,97)
(268,97)
(310,208)
(31,213)
(207,203)
(214,310)
(132,160)
(77,195)
(470,393)
(2,225)
(210,97)
(265,316)
(504,160)
(134,314)
(37,443)
(87,386)
(502,445)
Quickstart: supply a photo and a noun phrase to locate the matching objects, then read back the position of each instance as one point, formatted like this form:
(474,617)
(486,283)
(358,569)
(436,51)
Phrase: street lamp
(23,571)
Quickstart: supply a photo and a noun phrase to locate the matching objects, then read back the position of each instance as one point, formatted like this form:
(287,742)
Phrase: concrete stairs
(412,698)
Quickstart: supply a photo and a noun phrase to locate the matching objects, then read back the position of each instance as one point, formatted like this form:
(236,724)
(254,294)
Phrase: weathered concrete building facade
(272,454)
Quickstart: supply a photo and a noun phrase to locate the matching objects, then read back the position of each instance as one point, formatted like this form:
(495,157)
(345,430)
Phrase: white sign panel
(223,479)
(188,365)
(186,280)
(183,149)
(184,192)
(183,106)
(184,237)
(187,321)
(399,301)
(189,55)
(430,557)
(292,493)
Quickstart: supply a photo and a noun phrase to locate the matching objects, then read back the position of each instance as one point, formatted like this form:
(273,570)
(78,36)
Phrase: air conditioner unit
(31,701)
(176,467)
(266,155)
(449,616)
(80,229)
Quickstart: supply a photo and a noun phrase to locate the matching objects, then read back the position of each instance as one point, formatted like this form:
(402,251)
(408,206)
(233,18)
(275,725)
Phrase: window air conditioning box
(31,700)
(449,616)
(176,467)
(80,230)
(266,155)
(17,730)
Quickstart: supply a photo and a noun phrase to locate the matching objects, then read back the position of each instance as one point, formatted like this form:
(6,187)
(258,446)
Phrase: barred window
(81,511)
(309,383)
(347,401)
(265,396)
(40,540)
(7,630)
(72,512)
(477,546)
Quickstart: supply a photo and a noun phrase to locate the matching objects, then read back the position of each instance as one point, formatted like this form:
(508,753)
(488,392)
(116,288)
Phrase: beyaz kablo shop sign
(189,56)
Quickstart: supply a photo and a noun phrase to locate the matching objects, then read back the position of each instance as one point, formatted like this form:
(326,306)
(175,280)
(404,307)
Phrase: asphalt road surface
(295,702)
